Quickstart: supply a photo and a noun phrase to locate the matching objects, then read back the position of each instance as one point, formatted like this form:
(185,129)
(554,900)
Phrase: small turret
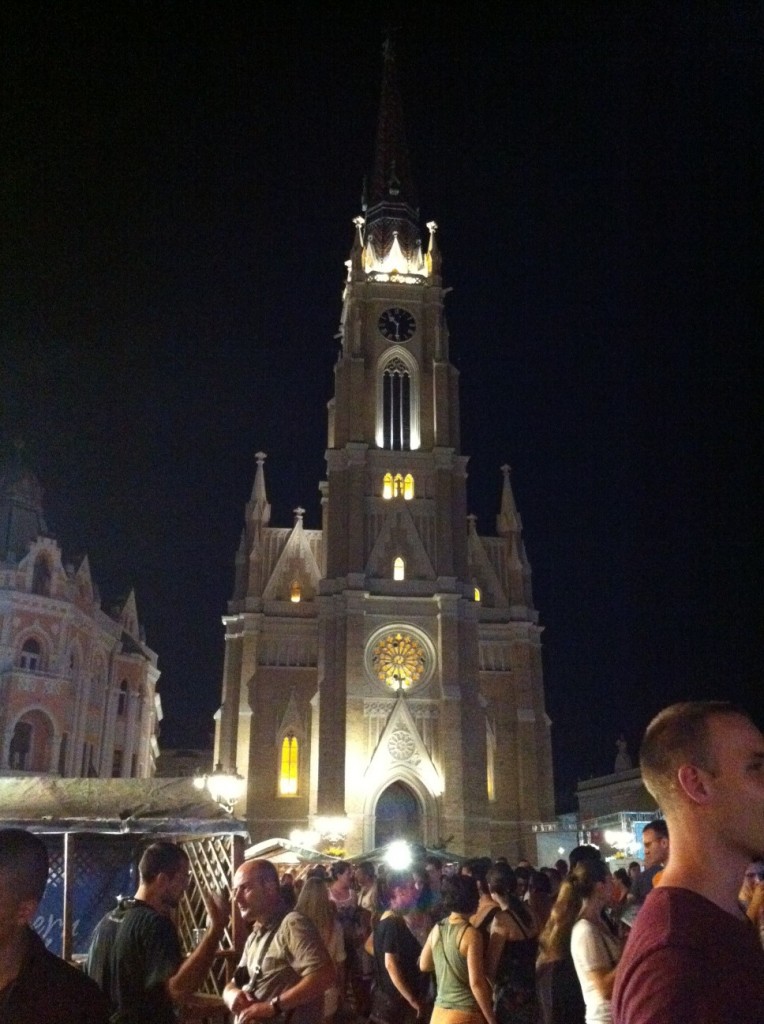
(21,514)
(259,509)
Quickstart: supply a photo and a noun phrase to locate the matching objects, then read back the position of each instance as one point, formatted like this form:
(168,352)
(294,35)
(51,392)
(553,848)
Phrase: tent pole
(66,924)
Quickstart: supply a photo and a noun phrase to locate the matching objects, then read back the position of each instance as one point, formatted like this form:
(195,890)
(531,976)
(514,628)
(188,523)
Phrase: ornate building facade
(386,669)
(78,687)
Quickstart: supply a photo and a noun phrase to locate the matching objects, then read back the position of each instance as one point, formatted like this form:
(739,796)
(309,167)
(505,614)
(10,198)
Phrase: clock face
(396,324)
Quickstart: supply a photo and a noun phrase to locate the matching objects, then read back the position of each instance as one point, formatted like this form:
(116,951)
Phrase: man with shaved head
(285,968)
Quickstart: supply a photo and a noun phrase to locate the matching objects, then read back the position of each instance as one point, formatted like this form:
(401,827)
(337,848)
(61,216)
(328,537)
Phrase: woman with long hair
(454,950)
(314,903)
(560,997)
(512,948)
(577,933)
(398,995)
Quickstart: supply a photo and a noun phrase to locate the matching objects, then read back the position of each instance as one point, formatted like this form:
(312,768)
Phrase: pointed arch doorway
(398,815)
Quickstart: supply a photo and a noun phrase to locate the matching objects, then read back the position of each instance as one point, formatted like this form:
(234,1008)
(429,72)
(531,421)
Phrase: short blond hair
(679,735)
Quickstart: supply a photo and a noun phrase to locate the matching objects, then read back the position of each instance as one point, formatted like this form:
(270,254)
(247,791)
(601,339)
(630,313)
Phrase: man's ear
(694,782)
(26,910)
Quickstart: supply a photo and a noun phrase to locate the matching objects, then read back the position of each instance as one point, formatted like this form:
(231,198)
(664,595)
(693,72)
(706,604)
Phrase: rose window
(399,660)
(401,745)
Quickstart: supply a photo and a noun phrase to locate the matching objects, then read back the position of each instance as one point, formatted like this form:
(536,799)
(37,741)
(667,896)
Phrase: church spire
(392,237)
(508,519)
(259,507)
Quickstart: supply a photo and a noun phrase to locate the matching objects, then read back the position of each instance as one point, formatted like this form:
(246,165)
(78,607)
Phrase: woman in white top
(594,948)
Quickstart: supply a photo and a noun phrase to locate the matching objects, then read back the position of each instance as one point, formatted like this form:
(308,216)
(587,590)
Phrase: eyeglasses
(755,874)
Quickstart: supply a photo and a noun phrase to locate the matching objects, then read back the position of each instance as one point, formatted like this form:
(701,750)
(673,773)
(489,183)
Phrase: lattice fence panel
(101,868)
(214,860)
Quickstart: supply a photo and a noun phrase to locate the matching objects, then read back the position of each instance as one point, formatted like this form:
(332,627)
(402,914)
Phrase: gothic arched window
(396,406)
(289,764)
(295,592)
(122,699)
(399,569)
(408,487)
(387,486)
(30,657)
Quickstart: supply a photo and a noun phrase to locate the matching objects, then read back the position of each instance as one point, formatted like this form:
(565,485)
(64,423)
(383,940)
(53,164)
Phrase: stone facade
(395,653)
(77,686)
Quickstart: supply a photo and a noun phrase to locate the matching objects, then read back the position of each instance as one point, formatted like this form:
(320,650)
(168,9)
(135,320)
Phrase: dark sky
(178,184)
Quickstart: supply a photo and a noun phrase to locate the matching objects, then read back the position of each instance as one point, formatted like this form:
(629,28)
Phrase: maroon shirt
(687,961)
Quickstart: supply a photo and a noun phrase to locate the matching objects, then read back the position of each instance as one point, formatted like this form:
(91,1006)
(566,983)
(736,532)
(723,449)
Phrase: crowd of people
(476,943)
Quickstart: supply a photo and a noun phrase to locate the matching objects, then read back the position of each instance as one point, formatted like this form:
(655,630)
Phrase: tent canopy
(154,806)
(284,851)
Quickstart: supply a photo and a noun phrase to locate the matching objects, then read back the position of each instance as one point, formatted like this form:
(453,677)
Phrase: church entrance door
(398,816)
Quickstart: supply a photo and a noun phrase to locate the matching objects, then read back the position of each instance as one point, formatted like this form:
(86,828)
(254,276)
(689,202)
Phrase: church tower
(386,670)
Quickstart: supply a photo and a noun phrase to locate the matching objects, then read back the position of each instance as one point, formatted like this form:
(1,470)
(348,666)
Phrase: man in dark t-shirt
(135,955)
(692,956)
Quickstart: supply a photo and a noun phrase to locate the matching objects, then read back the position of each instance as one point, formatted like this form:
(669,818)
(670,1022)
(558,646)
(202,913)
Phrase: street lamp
(225,787)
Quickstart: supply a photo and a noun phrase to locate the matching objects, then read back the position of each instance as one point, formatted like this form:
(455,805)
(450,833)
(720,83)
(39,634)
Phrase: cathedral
(383,675)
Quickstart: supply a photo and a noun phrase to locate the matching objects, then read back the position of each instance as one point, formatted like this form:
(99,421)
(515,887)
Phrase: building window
(116,765)
(41,576)
(88,770)
(477,594)
(490,761)
(289,763)
(122,699)
(295,592)
(398,486)
(30,657)
(399,569)
(62,754)
(399,660)
(396,406)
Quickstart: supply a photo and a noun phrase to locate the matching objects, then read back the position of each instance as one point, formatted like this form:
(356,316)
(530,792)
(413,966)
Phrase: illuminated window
(490,751)
(399,569)
(399,660)
(387,486)
(295,592)
(477,594)
(408,487)
(396,406)
(288,773)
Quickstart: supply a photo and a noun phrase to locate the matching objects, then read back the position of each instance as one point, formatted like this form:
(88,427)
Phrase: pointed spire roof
(390,202)
(259,507)
(508,519)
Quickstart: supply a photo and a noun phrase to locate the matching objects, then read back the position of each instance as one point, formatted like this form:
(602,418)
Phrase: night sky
(178,185)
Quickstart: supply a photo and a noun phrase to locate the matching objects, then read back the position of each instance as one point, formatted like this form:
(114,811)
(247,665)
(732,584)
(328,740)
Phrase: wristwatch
(276,1004)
